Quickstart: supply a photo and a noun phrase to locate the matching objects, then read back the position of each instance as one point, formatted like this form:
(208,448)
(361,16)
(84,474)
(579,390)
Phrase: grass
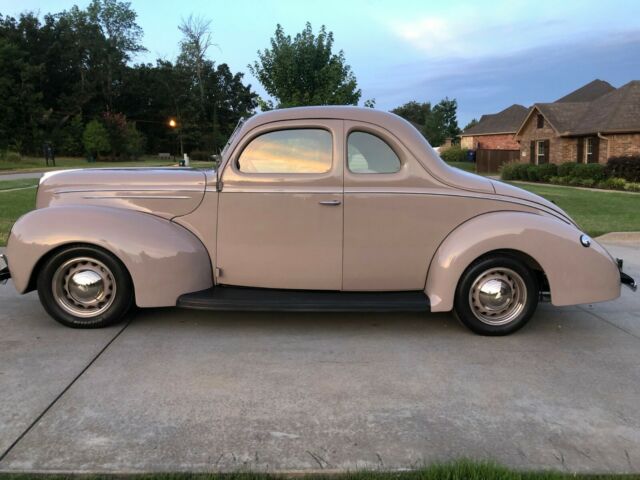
(460,470)
(35,163)
(14,203)
(597,212)
(467,166)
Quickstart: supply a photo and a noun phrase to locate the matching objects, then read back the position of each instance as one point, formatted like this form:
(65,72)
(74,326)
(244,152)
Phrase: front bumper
(4,269)
(626,279)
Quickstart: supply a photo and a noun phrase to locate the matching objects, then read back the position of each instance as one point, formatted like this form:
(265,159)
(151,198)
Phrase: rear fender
(165,260)
(576,274)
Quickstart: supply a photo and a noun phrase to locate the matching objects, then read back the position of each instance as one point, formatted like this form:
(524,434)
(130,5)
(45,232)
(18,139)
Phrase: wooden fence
(489,161)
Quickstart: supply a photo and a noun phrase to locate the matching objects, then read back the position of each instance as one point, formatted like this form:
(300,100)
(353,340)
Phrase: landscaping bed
(621,173)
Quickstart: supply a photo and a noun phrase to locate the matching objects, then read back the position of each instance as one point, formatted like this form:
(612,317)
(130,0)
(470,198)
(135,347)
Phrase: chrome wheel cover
(498,296)
(83,287)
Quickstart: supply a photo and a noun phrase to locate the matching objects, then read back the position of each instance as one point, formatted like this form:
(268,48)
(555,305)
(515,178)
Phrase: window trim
(544,154)
(588,154)
(376,135)
(235,160)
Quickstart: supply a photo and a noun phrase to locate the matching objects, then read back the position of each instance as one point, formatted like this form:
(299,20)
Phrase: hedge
(591,175)
(624,167)
(454,154)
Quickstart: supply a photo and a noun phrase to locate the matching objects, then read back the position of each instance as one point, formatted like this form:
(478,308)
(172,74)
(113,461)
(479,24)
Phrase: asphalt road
(180,390)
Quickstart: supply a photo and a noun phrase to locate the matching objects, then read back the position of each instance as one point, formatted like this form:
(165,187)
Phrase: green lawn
(34,163)
(461,470)
(468,166)
(597,212)
(14,203)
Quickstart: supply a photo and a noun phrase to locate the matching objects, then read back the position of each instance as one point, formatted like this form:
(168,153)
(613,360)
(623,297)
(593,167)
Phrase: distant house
(590,125)
(495,131)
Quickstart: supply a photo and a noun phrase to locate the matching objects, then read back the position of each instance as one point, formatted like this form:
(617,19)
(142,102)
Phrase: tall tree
(415,112)
(305,71)
(120,37)
(196,41)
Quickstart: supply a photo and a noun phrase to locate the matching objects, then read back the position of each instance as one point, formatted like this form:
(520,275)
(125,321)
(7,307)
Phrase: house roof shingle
(617,111)
(506,121)
(588,92)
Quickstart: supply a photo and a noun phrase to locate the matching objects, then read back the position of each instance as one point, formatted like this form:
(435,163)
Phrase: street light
(174,125)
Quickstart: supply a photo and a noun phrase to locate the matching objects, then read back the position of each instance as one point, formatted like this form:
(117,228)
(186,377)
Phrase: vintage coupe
(311,209)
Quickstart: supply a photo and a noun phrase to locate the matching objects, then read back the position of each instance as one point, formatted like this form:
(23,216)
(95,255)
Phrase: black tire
(487,313)
(114,297)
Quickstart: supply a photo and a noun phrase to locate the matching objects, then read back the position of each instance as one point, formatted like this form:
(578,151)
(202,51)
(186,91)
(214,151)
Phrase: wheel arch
(163,259)
(574,274)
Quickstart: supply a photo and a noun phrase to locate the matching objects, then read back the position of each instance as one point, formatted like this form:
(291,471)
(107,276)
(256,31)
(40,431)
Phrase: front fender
(164,259)
(576,274)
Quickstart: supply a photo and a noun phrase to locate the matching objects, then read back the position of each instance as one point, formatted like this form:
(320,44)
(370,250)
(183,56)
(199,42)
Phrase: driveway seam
(610,323)
(61,394)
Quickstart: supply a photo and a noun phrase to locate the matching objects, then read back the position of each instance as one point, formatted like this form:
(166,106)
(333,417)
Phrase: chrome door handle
(330,202)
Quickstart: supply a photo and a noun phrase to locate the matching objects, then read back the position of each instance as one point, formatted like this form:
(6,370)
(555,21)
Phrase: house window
(540,120)
(588,150)
(540,152)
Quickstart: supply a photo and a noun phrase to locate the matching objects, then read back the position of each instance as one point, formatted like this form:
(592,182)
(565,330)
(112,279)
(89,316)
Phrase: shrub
(12,157)
(532,173)
(546,171)
(574,181)
(587,182)
(507,171)
(96,138)
(624,167)
(559,180)
(632,187)
(520,171)
(566,169)
(615,183)
(454,154)
(594,171)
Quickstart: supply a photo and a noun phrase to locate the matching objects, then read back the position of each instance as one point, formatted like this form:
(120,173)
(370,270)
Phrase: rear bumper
(626,279)
(4,269)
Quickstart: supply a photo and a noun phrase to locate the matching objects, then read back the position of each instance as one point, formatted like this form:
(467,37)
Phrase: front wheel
(496,295)
(85,287)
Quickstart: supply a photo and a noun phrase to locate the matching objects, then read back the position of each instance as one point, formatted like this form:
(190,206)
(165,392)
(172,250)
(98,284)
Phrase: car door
(390,226)
(280,208)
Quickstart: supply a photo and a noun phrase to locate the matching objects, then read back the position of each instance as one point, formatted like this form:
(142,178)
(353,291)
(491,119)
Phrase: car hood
(507,190)
(167,192)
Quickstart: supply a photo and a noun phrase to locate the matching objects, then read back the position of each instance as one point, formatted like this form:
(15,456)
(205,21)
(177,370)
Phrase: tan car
(312,209)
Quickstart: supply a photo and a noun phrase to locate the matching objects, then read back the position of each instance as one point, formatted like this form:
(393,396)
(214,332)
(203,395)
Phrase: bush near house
(624,167)
(619,174)
(454,154)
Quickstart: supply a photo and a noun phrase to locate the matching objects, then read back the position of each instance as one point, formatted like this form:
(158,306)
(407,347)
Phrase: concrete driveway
(180,390)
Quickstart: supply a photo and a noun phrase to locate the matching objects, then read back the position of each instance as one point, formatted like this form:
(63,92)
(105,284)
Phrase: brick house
(590,125)
(495,131)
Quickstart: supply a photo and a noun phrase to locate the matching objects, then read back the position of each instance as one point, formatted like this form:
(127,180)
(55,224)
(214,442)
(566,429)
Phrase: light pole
(174,124)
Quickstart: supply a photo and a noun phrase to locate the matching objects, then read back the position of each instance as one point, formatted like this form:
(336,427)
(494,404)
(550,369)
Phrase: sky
(487,54)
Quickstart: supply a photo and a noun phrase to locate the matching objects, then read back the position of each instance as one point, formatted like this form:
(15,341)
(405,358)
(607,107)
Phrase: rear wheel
(85,287)
(496,295)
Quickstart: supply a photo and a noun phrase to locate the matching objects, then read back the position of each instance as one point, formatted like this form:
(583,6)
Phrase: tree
(472,123)
(435,123)
(96,139)
(193,47)
(305,71)
(415,112)
(119,38)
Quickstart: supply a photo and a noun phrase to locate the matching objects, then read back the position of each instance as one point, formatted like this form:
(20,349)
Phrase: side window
(288,151)
(370,154)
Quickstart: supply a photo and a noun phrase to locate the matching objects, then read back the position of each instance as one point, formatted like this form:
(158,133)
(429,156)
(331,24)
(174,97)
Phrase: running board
(269,300)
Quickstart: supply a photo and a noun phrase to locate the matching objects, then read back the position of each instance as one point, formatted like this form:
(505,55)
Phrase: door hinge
(218,272)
